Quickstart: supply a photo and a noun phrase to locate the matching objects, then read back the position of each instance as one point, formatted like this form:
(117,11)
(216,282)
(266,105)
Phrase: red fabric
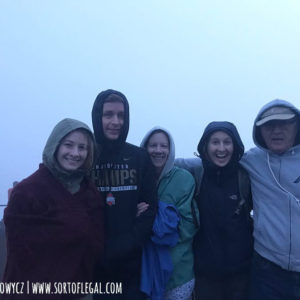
(52,235)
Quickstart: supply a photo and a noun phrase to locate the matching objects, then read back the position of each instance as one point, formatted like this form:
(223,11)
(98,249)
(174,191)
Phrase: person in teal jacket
(175,186)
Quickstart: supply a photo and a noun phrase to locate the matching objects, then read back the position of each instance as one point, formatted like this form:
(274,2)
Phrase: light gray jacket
(275,183)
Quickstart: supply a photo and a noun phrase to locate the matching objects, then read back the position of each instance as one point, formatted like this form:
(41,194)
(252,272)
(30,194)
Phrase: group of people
(223,225)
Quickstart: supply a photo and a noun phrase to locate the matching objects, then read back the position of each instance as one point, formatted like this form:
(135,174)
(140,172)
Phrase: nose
(157,148)
(116,120)
(277,128)
(221,147)
(75,151)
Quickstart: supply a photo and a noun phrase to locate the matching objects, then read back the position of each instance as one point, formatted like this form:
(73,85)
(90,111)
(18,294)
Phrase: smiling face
(220,148)
(112,119)
(279,135)
(158,148)
(73,151)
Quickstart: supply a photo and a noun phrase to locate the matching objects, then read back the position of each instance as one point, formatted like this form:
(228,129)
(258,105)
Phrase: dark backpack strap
(245,192)
(194,213)
(197,173)
(245,187)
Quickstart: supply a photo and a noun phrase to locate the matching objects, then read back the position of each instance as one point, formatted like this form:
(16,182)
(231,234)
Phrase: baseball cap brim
(274,117)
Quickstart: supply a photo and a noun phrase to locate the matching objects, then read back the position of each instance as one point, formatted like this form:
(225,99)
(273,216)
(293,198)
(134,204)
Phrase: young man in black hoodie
(125,176)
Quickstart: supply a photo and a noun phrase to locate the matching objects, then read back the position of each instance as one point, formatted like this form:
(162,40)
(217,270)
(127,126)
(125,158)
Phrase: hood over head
(274,110)
(97,112)
(62,129)
(171,157)
(231,130)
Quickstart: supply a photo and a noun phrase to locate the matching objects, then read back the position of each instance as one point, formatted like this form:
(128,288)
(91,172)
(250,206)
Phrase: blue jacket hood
(257,138)
(227,127)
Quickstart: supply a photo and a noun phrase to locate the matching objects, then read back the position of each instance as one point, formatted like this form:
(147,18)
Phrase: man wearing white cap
(274,168)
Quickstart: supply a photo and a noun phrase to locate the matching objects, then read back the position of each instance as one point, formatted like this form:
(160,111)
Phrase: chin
(113,138)
(71,169)
(221,164)
(158,166)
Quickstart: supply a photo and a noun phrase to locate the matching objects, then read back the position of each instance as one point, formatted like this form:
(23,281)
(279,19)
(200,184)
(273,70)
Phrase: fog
(181,64)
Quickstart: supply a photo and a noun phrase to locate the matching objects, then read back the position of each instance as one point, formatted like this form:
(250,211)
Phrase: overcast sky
(181,64)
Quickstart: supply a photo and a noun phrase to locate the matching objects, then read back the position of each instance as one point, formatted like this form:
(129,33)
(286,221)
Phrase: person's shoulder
(243,173)
(34,181)
(188,163)
(252,153)
(192,165)
(254,160)
(182,174)
(135,151)
(183,178)
(180,181)
(28,192)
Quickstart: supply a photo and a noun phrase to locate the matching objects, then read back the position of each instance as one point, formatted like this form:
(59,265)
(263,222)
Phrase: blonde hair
(114,98)
(89,161)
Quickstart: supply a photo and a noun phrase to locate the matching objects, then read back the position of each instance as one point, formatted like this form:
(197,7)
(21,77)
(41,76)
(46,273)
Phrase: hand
(141,207)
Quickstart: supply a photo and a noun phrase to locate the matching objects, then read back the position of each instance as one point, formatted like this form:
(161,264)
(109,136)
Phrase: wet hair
(91,149)
(113,98)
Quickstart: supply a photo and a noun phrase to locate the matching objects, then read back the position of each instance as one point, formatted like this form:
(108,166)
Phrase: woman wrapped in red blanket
(54,219)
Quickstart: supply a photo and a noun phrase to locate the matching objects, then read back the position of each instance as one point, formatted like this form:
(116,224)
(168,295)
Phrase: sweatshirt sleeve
(188,163)
(124,244)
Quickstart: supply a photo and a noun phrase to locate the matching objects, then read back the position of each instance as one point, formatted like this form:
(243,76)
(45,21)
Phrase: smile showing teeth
(114,131)
(73,160)
(158,158)
(221,155)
